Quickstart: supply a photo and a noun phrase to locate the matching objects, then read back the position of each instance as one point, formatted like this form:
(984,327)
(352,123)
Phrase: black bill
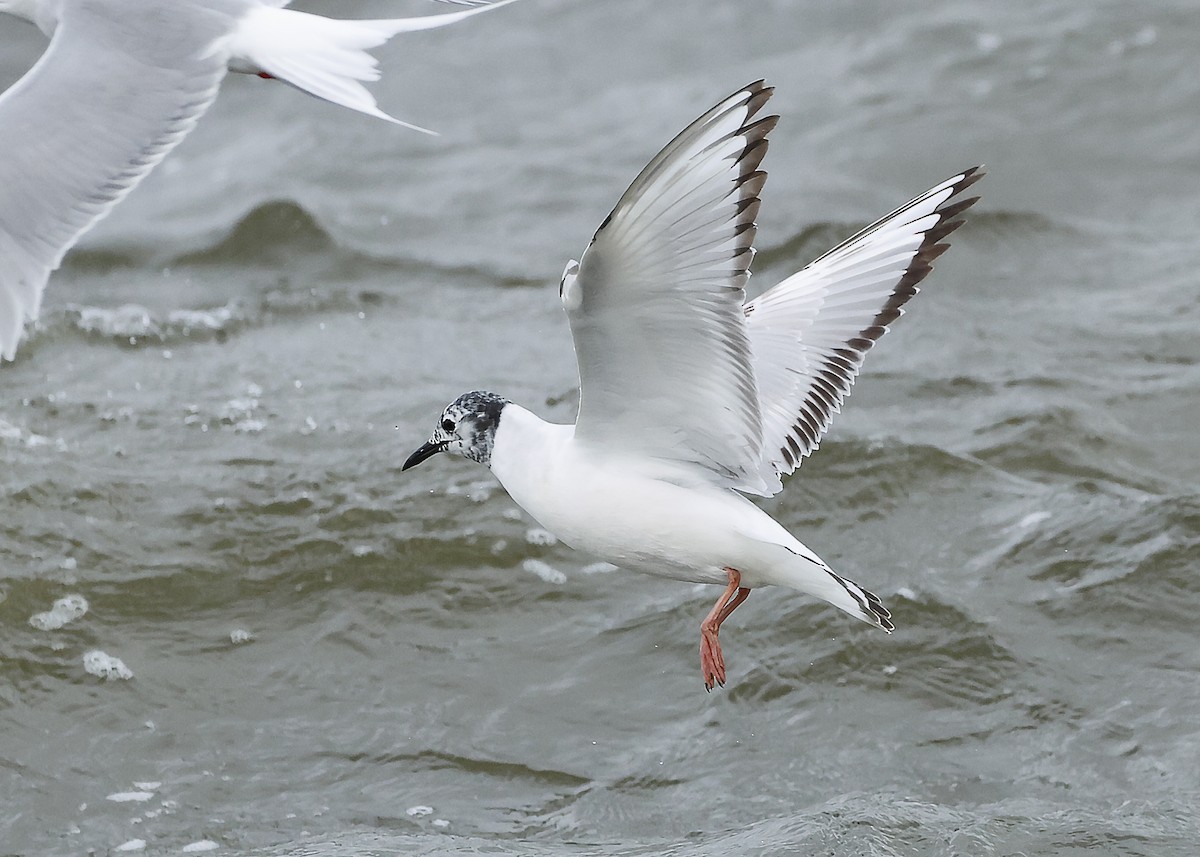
(428,450)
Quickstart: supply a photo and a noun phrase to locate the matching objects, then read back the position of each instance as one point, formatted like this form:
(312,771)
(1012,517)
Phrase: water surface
(202,439)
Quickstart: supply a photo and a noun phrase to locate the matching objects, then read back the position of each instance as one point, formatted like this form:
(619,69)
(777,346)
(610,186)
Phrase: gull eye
(447,424)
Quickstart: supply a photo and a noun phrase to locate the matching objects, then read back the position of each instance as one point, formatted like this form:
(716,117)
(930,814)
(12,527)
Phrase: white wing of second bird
(689,396)
(121,83)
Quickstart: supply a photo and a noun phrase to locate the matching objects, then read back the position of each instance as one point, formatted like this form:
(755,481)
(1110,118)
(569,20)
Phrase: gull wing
(656,304)
(119,86)
(810,333)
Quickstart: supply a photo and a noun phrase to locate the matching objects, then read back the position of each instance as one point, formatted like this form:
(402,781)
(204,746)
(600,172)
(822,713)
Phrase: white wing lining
(72,149)
(811,332)
(656,304)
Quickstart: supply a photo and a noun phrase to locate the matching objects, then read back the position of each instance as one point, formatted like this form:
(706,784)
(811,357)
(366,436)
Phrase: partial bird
(122,83)
(691,398)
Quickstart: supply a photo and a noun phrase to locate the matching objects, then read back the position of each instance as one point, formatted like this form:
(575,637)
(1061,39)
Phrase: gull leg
(712,662)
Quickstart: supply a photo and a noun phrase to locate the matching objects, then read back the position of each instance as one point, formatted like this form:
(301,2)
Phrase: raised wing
(119,86)
(656,304)
(810,333)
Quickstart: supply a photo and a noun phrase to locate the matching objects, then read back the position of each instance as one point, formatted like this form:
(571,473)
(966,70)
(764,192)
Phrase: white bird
(690,397)
(122,83)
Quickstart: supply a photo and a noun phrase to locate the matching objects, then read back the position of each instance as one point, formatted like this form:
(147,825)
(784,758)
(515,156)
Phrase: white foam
(148,787)
(419,811)
(129,797)
(1032,519)
(988,43)
(238,636)
(598,568)
(544,570)
(131,845)
(10,432)
(65,610)
(105,666)
(200,845)
(541,538)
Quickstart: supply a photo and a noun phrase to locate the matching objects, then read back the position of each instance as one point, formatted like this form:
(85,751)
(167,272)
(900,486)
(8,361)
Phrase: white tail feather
(327,57)
(802,569)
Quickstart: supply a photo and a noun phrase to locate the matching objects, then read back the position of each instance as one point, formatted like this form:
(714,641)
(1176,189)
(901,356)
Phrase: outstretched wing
(115,91)
(810,333)
(656,304)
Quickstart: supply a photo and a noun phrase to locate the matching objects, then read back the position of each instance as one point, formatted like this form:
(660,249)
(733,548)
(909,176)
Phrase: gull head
(467,428)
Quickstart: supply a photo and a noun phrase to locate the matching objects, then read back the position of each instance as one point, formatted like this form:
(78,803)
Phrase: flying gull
(692,398)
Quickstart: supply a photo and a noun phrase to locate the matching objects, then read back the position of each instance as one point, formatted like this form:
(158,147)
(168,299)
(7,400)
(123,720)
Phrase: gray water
(202,439)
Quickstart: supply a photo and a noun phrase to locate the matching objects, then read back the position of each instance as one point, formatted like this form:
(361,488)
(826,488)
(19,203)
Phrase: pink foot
(712,661)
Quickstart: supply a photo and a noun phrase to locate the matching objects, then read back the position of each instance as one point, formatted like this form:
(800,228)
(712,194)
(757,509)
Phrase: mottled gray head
(467,428)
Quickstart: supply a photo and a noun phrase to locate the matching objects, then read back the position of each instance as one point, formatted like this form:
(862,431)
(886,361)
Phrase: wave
(993,226)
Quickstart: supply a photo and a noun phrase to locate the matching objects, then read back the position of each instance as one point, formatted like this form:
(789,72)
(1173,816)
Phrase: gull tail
(803,570)
(327,57)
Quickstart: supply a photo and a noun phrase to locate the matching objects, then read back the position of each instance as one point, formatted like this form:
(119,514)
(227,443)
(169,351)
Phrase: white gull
(690,397)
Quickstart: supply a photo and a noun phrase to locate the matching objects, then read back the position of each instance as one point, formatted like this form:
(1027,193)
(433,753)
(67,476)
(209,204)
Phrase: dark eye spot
(447,424)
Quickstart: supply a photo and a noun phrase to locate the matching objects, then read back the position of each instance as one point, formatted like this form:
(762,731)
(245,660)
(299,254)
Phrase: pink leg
(712,662)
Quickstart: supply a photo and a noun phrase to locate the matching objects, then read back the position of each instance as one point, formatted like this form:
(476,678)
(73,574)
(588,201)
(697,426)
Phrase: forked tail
(327,57)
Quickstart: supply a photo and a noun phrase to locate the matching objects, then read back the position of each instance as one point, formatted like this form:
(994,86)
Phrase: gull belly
(638,513)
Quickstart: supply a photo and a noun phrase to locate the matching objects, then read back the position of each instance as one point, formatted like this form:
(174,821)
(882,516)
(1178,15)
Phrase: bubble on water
(148,787)
(890,669)
(131,845)
(66,609)
(441,823)
(539,537)
(199,845)
(544,570)
(129,797)
(105,666)
(598,568)
(362,550)
(238,636)
(419,811)
(512,514)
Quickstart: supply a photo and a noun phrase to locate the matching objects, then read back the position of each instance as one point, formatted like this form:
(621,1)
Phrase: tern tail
(327,57)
